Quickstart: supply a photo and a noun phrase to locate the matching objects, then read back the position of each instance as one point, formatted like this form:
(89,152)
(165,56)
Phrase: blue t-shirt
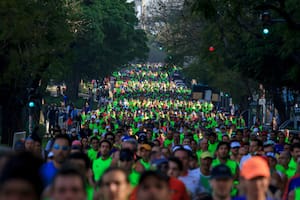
(48,171)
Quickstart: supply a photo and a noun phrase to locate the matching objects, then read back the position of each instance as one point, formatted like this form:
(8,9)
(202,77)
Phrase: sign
(17,137)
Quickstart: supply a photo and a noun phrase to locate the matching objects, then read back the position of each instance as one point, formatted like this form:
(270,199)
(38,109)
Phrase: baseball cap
(235,145)
(76,143)
(146,146)
(206,154)
(271,154)
(254,167)
(220,172)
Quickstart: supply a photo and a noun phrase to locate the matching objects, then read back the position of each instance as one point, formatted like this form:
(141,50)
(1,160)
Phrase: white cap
(235,144)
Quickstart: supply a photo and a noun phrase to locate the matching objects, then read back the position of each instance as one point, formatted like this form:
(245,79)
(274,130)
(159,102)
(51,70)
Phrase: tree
(33,35)
(105,39)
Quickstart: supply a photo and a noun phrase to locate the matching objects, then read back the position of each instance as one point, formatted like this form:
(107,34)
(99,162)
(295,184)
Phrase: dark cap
(220,172)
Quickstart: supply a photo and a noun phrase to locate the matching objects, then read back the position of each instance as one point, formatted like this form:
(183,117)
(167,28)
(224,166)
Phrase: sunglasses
(58,147)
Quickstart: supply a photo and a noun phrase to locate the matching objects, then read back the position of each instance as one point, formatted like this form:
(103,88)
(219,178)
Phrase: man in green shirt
(295,151)
(104,161)
(169,139)
(212,142)
(93,152)
(223,158)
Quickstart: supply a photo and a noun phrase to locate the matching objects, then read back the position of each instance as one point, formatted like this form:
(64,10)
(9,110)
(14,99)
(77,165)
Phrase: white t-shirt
(191,181)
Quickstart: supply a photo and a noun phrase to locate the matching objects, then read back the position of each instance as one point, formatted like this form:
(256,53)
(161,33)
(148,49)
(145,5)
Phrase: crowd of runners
(149,140)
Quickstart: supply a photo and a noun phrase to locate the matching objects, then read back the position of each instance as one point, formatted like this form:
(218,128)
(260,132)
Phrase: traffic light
(31,104)
(211,48)
(266,31)
(31,101)
(267,21)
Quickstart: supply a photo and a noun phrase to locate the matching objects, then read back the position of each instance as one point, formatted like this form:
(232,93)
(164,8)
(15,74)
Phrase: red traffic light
(211,48)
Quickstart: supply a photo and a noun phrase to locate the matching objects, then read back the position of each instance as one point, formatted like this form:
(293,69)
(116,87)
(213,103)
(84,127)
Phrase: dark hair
(70,170)
(94,138)
(63,136)
(23,166)
(259,142)
(111,134)
(81,156)
(294,146)
(108,142)
(177,161)
(223,143)
(156,174)
(112,169)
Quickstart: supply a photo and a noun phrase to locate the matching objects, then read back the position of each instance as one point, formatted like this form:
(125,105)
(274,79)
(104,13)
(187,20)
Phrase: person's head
(19,178)
(223,150)
(61,148)
(126,159)
(272,160)
(295,150)
(68,183)
(212,137)
(80,160)
(184,156)
(287,147)
(94,143)
(225,138)
(76,146)
(193,145)
(174,167)
(255,145)
(110,137)
(170,135)
(256,176)
(145,151)
(221,181)
(186,141)
(204,144)
(234,148)
(284,158)
(206,161)
(130,144)
(29,144)
(84,142)
(281,138)
(153,185)
(105,147)
(165,152)
(114,184)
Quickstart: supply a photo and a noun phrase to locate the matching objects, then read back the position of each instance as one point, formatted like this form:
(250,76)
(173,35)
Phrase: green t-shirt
(198,153)
(233,165)
(89,192)
(212,147)
(134,178)
(291,171)
(99,167)
(146,165)
(167,142)
(204,183)
(92,154)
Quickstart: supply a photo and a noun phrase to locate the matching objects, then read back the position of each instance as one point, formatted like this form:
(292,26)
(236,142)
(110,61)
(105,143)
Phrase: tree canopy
(61,39)
(242,53)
